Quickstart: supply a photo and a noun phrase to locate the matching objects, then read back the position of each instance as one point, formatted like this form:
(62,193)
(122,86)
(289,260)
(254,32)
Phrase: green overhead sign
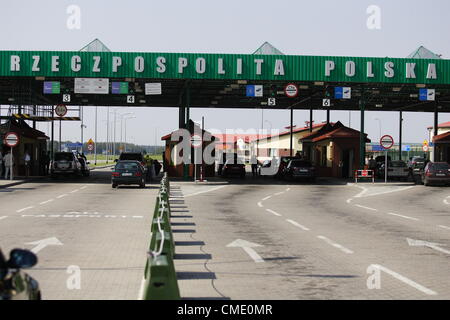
(223,66)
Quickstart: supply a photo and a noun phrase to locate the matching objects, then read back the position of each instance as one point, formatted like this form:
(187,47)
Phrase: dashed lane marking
(205,191)
(260,204)
(278,193)
(266,198)
(402,216)
(83,187)
(23,209)
(336,245)
(295,223)
(367,208)
(61,196)
(288,189)
(44,202)
(273,212)
(444,227)
(3,217)
(349,200)
(76,190)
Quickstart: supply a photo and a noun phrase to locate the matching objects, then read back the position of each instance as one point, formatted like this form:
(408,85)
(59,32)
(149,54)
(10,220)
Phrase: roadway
(323,241)
(90,228)
(302,241)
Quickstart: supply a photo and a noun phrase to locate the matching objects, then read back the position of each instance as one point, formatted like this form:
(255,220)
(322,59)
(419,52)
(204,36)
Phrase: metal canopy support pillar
(362,138)
(310,119)
(328,116)
(187,102)
(53,135)
(435,128)
(400,134)
(291,133)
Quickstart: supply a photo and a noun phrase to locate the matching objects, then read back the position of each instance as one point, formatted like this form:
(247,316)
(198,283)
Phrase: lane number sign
(387,141)
(61,110)
(291,90)
(326,102)
(11,139)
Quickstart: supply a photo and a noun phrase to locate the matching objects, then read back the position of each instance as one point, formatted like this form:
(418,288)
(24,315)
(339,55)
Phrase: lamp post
(125,137)
(121,126)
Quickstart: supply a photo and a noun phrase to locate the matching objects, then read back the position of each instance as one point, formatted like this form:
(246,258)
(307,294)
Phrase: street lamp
(121,125)
(125,137)
(379,125)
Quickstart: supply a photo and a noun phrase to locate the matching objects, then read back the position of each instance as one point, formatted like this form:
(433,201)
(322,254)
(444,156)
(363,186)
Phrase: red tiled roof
(443,137)
(442,125)
(315,126)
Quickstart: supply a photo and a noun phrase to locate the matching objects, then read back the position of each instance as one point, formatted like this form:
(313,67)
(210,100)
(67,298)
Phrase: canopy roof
(221,80)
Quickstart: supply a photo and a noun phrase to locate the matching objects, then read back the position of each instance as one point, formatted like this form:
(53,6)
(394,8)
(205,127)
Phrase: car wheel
(142,185)
(114,185)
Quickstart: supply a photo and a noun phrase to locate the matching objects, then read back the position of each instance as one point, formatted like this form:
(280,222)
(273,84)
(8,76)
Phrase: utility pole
(95,142)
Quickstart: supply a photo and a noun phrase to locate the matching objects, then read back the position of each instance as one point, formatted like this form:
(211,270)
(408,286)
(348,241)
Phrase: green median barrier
(165,225)
(161,280)
(168,246)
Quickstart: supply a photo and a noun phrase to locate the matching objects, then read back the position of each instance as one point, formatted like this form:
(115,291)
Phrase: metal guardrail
(160,276)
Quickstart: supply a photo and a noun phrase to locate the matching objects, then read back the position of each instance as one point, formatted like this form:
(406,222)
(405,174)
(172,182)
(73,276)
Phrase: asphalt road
(102,234)
(236,239)
(320,241)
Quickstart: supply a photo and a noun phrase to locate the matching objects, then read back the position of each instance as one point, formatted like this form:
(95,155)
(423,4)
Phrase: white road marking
(266,198)
(402,216)
(295,223)
(61,196)
(336,245)
(248,248)
(273,212)
(403,279)
(288,189)
(364,207)
(431,245)
(141,290)
(349,200)
(76,190)
(23,209)
(200,192)
(44,202)
(3,217)
(447,201)
(365,190)
(278,193)
(83,187)
(78,216)
(260,204)
(444,227)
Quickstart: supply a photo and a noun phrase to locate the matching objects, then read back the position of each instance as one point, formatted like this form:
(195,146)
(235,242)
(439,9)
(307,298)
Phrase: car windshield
(300,163)
(127,166)
(131,156)
(440,166)
(418,160)
(66,156)
(398,164)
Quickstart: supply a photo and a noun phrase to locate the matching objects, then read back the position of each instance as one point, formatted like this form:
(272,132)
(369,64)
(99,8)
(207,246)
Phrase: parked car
(231,168)
(65,163)
(223,159)
(265,164)
(397,169)
(436,173)
(137,156)
(128,172)
(300,169)
(15,284)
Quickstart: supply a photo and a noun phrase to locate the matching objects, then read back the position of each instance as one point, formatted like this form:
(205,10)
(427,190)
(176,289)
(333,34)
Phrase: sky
(320,27)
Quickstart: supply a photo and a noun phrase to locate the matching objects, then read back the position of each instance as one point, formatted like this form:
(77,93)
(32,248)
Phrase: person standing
(254,164)
(1,163)
(27,160)
(9,160)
